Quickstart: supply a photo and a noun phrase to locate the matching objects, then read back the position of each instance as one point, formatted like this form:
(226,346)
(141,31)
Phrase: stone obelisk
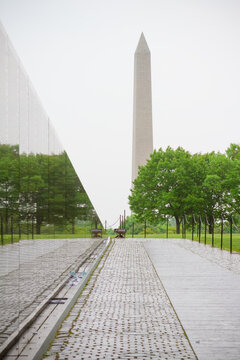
(142,107)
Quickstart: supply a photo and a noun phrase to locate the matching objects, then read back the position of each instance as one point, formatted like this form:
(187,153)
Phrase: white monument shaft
(142,107)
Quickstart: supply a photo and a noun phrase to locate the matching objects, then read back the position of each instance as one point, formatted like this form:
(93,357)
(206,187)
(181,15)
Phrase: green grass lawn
(217,239)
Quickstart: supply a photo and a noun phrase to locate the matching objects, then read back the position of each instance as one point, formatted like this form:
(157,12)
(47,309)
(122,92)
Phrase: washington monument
(142,107)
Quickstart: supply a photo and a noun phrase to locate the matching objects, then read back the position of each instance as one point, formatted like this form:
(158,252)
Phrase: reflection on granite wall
(40,191)
(41,196)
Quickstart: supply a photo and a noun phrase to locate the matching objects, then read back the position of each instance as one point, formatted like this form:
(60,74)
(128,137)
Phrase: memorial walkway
(156,299)
(152,299)
(123,313)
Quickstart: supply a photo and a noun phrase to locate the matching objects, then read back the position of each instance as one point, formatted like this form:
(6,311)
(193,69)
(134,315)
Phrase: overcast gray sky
(79,56)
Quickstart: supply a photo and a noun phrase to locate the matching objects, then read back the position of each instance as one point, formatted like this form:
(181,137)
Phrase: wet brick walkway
(123,313)
(29,271)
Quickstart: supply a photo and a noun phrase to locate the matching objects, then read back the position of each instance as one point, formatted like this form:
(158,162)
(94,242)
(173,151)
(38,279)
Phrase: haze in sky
(79,56)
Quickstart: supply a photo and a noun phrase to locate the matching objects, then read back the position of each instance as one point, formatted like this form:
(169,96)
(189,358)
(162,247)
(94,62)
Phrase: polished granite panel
(41,196)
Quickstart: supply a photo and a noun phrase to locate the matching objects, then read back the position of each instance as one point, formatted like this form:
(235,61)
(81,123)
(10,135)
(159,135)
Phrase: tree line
(177,183)
(43,189)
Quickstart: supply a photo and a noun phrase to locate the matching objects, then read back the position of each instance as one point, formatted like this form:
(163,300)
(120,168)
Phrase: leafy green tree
(233,152)
(33,189)
(215,187)
(9,183)
(168,185)
(175,183)
(43,189)
(233,178)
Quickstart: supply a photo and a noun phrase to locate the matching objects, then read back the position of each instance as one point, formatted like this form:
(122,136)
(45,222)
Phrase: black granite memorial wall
(40,192)
(43,204)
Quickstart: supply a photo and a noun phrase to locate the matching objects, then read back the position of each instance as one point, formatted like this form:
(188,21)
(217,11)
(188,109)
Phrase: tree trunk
(210,227)
(38,226)
(177,225)
(6,222)
(73,226)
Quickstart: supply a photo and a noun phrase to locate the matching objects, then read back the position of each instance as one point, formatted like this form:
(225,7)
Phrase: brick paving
(29,271)
(123,313)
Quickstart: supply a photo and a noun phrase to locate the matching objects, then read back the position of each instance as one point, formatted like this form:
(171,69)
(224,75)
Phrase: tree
(33,195)
(233,152)
(168,185)
(9,183)
(233,178)
(215,187)
(176,183)
(40,188)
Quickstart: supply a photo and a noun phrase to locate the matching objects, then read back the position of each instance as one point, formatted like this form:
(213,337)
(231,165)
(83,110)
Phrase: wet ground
(123,313)
(29,271)
(203,284)
(147,299)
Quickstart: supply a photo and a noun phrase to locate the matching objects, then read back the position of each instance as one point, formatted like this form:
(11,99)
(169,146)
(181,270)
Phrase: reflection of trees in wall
(9,182)
(41,188)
